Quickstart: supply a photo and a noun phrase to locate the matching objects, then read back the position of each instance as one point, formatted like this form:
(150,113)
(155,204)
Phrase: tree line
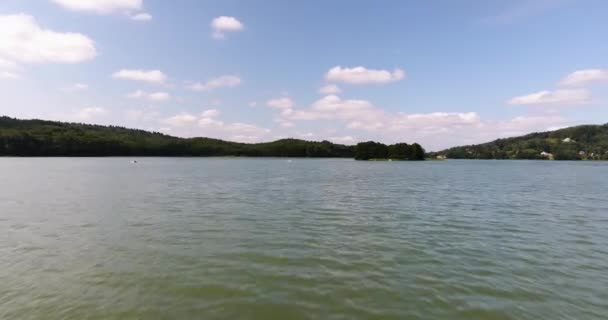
(51,138)
(587,142)
(378,151)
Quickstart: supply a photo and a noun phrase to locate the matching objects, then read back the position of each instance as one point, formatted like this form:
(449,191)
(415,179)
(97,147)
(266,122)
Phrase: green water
(101,238)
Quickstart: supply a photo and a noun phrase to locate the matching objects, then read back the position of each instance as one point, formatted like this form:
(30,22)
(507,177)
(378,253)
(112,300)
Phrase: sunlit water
(101,238)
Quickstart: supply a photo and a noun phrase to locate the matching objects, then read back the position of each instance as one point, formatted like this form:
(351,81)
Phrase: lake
(231,238)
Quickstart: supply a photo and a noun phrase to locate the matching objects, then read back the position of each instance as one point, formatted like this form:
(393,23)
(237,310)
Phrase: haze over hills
(585,142)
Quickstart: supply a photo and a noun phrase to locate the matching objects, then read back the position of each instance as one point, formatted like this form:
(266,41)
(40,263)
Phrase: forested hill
(587,142)
(50,138)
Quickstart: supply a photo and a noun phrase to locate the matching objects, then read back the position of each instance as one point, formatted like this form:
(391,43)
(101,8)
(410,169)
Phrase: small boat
(134,161)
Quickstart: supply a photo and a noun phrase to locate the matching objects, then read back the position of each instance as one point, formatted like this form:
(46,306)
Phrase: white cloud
(142,17)
(208,125)
(180,120)
(333,107)
(159,96)
(281,103)
(363,115)
(225,81)
(434,130)
(150,76)
(89,113)
(76,87)
(554,98)
(583,77)
(343,140)
(9,75)
(24,41)
(330,89)
(100,6)
(211,113)
(253,104)
(362,75)
(245,132)
(223,24)
(207,119)
(153,97)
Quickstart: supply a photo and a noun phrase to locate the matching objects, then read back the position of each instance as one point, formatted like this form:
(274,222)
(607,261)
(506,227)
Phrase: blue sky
(441,73)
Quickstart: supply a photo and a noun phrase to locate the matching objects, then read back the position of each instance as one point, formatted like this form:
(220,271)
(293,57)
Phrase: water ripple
(318,239)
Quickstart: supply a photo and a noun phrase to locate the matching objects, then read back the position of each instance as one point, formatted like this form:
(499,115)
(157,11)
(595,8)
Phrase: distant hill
(51,138)
(587,142)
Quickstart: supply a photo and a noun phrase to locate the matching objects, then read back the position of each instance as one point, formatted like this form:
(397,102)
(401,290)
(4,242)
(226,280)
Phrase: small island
(378,151)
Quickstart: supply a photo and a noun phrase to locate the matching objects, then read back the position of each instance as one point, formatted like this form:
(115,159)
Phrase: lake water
(222,238)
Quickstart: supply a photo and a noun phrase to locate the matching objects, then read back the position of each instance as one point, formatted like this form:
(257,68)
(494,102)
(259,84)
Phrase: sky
(441,73)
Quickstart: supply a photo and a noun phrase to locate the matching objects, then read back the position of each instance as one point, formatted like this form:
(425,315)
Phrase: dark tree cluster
(588,142)
(50,138)
(378,151)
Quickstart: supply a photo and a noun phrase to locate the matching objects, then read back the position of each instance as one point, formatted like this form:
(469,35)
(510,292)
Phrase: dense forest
(588,142)
(377,151)
(51,138)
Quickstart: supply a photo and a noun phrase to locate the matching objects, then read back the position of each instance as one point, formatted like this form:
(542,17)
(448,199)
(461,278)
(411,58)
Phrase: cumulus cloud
(100,6)
(362,75)
(76,87)
(24,41)
(280,103)
(149,76)
(209,125)
(222,25)
(343,140)
(225,81)
(553,98)
(364,120)
(357,114)
(583,77)
(210,113)
(153,97)
(330,89)
(179,120)
(142,17)
(333,107)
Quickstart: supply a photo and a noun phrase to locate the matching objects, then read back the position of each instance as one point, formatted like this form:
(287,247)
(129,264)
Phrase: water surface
(221,238)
